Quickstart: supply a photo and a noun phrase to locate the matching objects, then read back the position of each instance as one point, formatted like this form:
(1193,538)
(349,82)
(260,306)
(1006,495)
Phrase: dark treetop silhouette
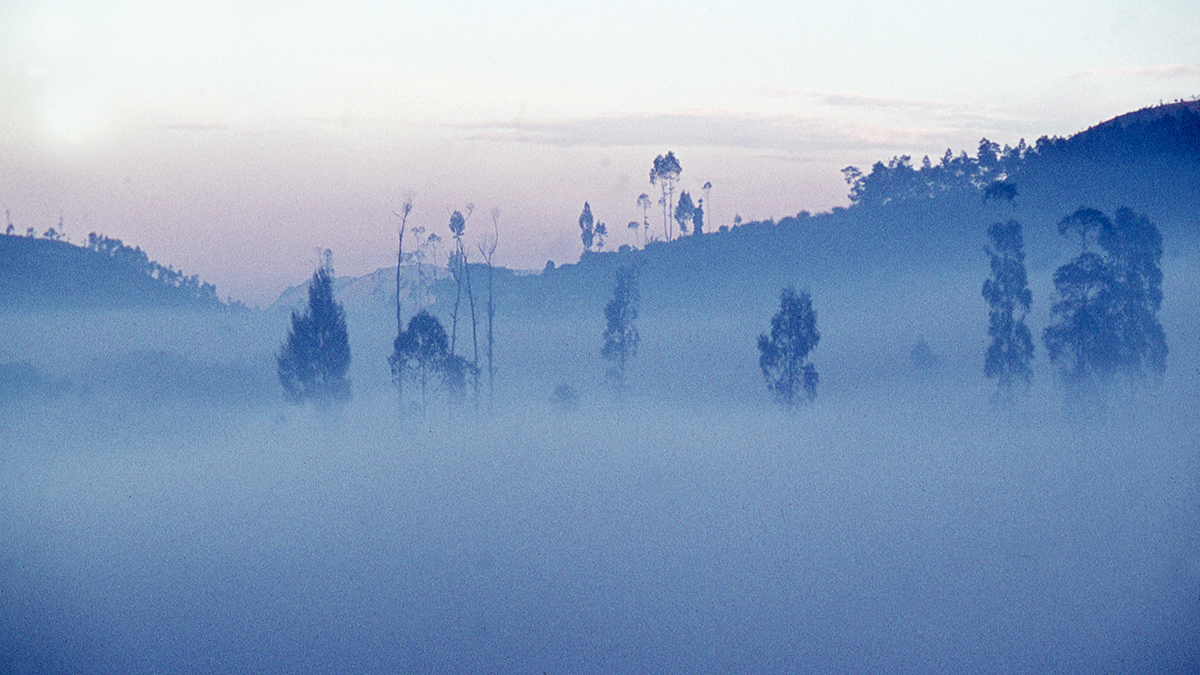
(313,362)
(1105,314)
(1009,299)
(784,353)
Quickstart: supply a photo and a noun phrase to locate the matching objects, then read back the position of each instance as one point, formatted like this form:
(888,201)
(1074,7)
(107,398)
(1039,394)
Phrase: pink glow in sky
(234,142)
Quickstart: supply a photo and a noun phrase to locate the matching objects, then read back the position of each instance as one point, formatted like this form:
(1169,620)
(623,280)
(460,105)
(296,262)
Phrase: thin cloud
(787,133)
(928,113)
(1161,72)
(845,100)
(186,126)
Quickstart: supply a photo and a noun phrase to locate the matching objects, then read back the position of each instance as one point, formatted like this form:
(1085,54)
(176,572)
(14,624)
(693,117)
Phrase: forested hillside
(47,273)
(931,215)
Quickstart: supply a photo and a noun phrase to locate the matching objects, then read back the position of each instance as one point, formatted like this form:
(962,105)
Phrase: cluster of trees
(1104,314)
(1107,301)
(590,231)
(52,233)
(1118,150)
(189,286)
(686,213)
(898,180)
(137,259)
(314,361)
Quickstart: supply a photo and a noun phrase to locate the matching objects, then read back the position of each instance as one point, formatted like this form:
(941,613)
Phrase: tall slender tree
(487,253)
(405,209)
(665,173)
(620,332)
(458,267)
(1009,300)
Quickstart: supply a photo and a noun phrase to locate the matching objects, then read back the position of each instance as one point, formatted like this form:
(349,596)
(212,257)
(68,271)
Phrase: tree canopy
(313,363)
(783,354)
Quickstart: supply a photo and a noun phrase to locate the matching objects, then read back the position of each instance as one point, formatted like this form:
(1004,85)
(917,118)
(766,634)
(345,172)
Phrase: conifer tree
(314,360)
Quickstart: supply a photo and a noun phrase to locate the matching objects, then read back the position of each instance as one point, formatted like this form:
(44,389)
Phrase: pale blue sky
(233,141)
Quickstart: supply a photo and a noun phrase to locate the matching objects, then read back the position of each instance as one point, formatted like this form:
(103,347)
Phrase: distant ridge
(38,274)
(903,216)
(1151,114)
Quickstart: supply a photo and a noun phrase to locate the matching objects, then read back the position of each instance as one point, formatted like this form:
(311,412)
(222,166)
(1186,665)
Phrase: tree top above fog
(1169,135)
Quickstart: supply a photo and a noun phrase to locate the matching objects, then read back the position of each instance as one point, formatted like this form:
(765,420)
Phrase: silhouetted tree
(601,232)
(783,355)
(698,218)
(666,174)
(487,254)
(313,363)
(684,211)
(405,209)
(586,231)
(458,267)
(620,332)
(1134,248)
(644,202)
(1105,314)
(420,352)
(1009,299)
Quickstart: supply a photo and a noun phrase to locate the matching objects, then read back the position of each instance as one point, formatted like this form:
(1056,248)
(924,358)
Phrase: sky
(236,140)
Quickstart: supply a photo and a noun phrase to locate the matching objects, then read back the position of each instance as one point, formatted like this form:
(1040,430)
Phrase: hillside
(40,274)
(904,218)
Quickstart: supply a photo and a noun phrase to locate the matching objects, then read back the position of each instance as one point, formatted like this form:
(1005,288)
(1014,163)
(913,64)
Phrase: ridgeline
(50,274)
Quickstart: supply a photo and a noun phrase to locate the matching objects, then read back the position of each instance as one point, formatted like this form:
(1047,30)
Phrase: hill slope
(48,274)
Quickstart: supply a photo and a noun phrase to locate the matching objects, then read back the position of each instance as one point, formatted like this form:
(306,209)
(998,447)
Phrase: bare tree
(458,267)
(405,209)
(487,253)
(474,365)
